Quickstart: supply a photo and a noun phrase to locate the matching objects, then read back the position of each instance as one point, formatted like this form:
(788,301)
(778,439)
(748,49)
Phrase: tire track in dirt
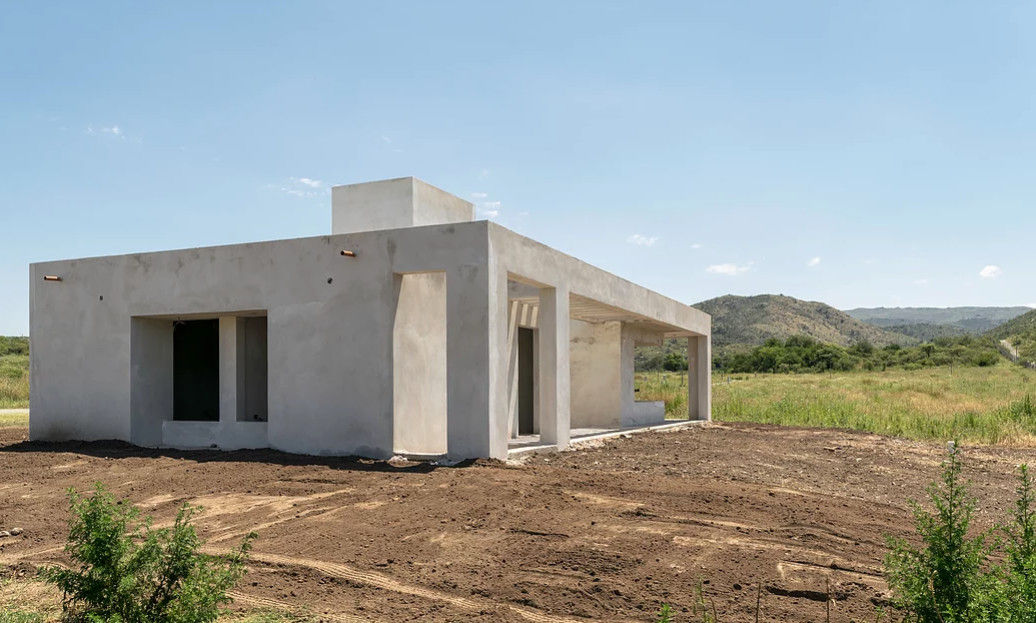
(345,572)
(276,604)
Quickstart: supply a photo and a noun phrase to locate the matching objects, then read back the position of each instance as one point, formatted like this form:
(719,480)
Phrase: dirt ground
(604,533)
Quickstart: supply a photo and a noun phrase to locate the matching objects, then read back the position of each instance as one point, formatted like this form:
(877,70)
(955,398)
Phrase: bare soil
(788,516)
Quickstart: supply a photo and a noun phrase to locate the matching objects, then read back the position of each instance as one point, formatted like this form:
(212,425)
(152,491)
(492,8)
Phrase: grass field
(986,405)
(14,381)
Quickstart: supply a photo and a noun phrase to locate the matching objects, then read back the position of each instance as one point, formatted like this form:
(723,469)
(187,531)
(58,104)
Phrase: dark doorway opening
(196,370)
(526,372)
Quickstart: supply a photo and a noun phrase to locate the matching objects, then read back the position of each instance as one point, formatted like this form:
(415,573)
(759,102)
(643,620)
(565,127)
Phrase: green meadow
(993,404)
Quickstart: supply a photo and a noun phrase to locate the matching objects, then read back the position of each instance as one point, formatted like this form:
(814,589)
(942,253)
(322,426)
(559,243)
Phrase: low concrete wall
(224,435)
(644,413)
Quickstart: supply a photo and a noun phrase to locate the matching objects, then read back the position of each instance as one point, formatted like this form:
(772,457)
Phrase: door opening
(526,373)
(196,370)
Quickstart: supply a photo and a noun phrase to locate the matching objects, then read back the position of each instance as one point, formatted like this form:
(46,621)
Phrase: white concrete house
(411,329)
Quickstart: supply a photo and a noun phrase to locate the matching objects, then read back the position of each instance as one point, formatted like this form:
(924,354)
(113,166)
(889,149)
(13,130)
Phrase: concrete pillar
(513,312)
(231,375)
(554,375)
(476,376)
(699,377)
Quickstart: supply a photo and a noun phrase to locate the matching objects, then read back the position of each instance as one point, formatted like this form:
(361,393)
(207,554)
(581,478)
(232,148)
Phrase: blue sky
(857,153)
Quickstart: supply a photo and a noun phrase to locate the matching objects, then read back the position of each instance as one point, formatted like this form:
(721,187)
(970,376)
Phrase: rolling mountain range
(973,320)
(751,320)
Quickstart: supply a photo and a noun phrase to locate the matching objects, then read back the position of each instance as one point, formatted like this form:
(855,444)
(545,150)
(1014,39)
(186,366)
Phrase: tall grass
(984,405)
(14,381)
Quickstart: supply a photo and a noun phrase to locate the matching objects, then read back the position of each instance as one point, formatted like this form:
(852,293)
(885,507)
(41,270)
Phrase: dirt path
(1010,350)
(608,533)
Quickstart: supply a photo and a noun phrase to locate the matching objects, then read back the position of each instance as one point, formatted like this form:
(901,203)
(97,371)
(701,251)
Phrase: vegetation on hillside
(14,372)
(927,331)
(752,320)
(803,354)
(1021,333)
(968,319)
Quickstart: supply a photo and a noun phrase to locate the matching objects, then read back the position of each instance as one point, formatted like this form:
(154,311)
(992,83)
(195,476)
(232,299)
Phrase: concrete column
(476,376)
(513,311)
(231,375)
(554,375)
(699,377)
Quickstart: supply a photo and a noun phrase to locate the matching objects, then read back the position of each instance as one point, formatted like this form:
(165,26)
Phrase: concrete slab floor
(532,443)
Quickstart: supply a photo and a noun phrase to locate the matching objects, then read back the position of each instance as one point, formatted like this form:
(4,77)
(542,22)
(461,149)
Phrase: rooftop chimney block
(393,204)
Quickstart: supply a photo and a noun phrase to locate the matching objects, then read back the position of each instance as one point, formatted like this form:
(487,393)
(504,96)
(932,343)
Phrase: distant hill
(926,331)
(751,320)
(1021,333)
(969,319)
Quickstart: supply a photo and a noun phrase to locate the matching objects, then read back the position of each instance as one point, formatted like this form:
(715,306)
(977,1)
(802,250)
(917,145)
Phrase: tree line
(805,354)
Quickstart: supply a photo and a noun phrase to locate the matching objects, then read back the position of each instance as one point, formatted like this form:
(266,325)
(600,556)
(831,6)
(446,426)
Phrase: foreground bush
(126,571)
(949,577)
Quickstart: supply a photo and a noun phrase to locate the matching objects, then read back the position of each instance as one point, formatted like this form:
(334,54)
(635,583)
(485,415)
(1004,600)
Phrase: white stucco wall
(596,373)
(330,344)
(419,364)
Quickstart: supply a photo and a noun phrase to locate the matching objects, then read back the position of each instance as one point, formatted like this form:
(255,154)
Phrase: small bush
(126,571)
(945,579)
(950,578)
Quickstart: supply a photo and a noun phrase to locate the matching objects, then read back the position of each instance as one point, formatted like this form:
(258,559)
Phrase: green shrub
(674,362)
(126,571)
(946,579)
(1020,591)
(950,578)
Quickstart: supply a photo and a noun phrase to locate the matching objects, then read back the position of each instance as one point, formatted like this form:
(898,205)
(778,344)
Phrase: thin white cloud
(110,130)
(696,246)
(479,195)
(991,272)
(642,240)
(1032,305)
(489,209)
(729,270)
(920,282)
(300,187)
(483,174)
(813,262)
